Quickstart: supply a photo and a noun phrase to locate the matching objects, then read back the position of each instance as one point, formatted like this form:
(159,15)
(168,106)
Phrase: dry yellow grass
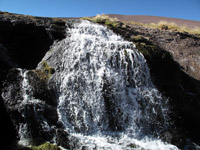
(162,25)
(174,26)
(103,19)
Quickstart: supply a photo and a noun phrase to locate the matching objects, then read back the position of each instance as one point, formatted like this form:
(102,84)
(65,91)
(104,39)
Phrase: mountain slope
(155,19)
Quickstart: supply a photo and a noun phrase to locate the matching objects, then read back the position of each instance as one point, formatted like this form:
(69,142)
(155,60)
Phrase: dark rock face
(28,38)
(22,109)
(33,109)
(23,42)
(33,106)
(173,58)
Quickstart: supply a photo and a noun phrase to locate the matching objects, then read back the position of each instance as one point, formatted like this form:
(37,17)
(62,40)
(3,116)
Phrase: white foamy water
(28,99)
(105,95)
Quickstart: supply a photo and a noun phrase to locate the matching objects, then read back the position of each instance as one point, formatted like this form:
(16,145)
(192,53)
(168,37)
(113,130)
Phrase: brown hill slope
(155,19)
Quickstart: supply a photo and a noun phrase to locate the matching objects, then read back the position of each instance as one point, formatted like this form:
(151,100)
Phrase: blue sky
(185,9)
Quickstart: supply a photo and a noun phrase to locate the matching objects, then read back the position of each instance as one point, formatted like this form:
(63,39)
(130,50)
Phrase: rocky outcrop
(23,42)
(32,108)
(27,38)
(173,58)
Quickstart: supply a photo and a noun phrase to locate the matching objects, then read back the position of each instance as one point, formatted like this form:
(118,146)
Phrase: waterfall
(99,94)
(104,92)
(104,84)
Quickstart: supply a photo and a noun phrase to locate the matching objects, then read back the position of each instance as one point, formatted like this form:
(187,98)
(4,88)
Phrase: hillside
(155,19)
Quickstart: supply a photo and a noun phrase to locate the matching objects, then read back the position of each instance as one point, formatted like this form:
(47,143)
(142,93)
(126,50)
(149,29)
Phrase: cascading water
(104,92)
(100,95)
(105,84)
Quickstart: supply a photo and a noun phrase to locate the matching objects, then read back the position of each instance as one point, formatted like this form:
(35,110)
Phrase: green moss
(45,146)
(46,72)
(147,49)
(112,23)
(153,53)
(140,38)
(47,69)
(108,22)
(141,48)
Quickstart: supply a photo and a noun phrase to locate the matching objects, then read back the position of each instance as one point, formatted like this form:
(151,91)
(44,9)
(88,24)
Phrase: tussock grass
(162,25)
(173,26)
(103,19)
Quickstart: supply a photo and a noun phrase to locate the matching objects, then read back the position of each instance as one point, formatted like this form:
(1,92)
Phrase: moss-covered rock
(47,69)
(45,146)
(139,38)
(45,73)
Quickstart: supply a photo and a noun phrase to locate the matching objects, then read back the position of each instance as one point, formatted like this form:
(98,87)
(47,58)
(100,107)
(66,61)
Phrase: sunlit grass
(103,19)
(173,26)
(162,25)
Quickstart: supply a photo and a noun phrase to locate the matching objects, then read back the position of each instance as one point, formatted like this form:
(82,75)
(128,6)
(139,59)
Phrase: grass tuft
(162,25)
(104,19)
(45,146)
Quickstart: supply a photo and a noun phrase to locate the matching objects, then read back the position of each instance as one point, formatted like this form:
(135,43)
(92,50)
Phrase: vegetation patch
(140,38)
(104,19)
(162,25)
(46,71)
(45,146)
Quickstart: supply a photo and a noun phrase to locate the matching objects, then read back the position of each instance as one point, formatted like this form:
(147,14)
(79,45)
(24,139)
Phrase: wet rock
(23,42)
(173,59)
(66,140)
(29,107)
